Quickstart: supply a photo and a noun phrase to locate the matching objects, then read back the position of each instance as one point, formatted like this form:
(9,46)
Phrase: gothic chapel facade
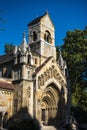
(37,80)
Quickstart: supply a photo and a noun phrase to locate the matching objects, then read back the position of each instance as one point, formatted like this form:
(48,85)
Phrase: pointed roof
(15,50)
(6,85)
(24,42)
(6,58)
(60,59)
(24,45)
(35,21)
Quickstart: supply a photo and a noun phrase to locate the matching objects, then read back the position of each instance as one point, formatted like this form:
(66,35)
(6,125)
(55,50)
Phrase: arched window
(18,57)
(34,36)
(35,60)
(47,37)
(29,59)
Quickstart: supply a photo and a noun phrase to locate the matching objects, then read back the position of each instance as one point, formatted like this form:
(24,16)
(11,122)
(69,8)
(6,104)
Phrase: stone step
(50,128)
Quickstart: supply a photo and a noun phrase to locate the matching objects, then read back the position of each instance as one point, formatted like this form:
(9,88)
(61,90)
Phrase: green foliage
(74,51)
(22,120)
(79,114)
(8,47)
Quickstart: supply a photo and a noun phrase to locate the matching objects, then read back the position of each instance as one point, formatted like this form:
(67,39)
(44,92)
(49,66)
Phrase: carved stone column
(39,82)
(42,80)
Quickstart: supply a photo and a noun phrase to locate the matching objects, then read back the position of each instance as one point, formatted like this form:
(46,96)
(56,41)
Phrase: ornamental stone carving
(29,92)
(51,72)
(42,80)
(39,82)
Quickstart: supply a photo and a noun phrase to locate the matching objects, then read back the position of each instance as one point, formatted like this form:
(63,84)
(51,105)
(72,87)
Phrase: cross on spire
(46,11)
(24,35)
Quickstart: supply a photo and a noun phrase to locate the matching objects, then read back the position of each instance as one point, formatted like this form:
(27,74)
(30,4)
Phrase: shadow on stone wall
(59,120)
(22,120)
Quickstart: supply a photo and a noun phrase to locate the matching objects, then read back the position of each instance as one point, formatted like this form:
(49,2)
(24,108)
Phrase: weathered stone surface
(40,84)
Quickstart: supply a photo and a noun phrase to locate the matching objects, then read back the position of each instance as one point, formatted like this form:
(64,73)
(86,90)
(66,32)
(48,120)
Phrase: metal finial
(46,11)
(24,35)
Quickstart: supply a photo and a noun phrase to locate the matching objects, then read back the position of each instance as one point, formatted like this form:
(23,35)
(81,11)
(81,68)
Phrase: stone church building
(31,77)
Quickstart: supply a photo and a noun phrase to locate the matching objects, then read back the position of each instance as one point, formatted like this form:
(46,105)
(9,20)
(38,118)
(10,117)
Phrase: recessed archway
(49,103)
(47,37)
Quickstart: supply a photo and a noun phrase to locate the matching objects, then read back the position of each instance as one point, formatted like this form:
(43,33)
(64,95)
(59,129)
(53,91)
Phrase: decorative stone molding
(5,92)
(29,91)
(51,72)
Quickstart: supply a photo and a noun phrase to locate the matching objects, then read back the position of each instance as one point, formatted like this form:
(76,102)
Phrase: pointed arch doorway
(49,104)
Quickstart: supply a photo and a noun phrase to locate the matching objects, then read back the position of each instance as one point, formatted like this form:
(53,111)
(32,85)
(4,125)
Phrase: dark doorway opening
(43,115)
(0,119)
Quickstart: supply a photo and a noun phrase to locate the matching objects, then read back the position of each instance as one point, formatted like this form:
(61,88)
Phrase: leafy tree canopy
(74,51)
(8,47)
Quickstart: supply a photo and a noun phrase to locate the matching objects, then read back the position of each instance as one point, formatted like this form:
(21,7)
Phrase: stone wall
(6,101)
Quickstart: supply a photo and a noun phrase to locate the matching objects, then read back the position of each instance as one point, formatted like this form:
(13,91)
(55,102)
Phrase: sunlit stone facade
(39,80)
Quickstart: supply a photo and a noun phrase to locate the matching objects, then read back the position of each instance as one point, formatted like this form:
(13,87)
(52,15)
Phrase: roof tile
(35,21)
(6,58)
(6,85)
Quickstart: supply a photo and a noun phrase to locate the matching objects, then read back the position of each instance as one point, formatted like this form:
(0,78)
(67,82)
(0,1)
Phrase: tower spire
(46,11)
(24,45)
(24,35)
(62,63)
(60,60)
(24,39)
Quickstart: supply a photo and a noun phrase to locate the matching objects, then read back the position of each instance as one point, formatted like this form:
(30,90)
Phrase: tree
(8,47)
(22,120)
(75,53)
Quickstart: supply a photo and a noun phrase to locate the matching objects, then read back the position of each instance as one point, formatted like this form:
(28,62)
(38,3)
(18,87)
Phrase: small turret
(62,64)
(15,54)
(24,45)
(23,53)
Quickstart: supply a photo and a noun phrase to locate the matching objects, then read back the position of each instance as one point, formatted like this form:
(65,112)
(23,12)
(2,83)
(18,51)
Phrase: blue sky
(65,14)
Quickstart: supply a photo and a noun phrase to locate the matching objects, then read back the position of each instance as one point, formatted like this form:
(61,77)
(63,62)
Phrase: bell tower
(42,36)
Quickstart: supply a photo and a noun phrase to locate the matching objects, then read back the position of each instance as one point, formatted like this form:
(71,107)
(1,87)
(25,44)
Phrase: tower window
(47,37)
(18,58)
(29,59)
(35,60)
(34,36)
